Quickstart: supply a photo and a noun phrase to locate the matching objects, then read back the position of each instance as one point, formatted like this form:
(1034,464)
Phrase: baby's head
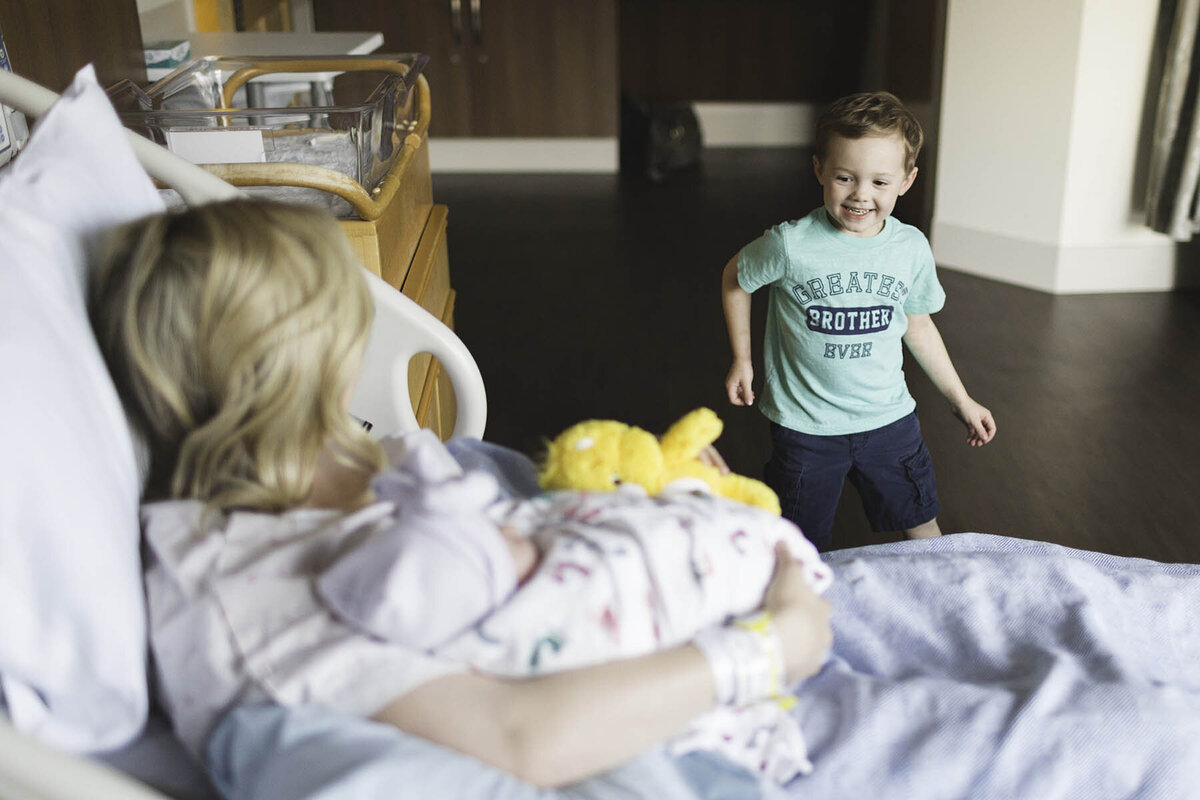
(428,581)
(234,333)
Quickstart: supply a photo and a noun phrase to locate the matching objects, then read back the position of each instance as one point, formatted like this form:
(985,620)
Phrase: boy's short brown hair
(870,114)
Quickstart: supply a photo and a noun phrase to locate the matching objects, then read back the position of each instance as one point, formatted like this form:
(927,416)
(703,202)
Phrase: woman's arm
(556,729)
(560,728)
(925,343)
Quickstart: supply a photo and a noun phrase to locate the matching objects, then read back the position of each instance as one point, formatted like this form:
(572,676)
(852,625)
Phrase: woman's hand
(801,617)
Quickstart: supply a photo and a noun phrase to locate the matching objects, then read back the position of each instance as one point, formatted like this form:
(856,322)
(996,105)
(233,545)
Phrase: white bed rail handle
(401,330)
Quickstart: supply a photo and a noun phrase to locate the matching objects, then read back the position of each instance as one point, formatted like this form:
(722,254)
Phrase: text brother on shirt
(849,321)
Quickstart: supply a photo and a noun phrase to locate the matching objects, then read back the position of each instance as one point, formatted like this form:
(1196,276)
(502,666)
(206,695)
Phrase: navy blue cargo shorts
(889,466)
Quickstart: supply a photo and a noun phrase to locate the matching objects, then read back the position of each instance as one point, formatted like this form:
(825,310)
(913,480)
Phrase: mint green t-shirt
(837,309)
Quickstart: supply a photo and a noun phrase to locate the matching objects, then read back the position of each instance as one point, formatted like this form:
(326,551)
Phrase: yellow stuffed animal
(600,454)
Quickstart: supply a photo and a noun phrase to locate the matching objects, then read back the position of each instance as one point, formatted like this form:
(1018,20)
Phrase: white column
(1042,109)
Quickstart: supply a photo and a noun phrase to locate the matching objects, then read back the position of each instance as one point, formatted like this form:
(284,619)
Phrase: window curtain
(1174,176)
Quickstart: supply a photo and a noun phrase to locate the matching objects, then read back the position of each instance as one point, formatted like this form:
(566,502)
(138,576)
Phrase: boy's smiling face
(862,179)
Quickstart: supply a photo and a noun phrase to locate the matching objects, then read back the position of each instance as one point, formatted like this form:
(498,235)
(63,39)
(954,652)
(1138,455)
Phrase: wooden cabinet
(428,283)
(47,42)
(502,68)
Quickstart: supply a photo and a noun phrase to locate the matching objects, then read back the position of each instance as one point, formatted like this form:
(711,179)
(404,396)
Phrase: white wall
(1038,144)
(165,19)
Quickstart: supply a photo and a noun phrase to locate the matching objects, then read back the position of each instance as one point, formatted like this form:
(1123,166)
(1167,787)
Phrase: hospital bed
(969,666)
(401,329)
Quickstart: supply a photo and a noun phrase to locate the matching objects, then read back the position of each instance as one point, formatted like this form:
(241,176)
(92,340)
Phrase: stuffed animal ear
(692,433)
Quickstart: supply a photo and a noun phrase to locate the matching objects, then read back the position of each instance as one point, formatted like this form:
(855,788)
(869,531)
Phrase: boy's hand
(980,425)
(737,383)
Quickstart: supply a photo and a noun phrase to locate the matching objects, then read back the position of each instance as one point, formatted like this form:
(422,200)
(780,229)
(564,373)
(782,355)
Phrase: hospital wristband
(746,659)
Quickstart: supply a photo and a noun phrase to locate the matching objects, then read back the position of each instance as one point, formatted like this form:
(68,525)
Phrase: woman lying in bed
(234,333)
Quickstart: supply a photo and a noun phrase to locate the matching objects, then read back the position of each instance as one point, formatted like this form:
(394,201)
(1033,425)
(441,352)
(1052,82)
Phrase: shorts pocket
(784,474)
(919,469)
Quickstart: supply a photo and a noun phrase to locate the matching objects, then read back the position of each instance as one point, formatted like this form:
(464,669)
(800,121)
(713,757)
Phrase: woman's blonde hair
(234,332)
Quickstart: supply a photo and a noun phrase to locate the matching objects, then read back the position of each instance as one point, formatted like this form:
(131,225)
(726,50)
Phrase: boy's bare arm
(736,302)
(925,343)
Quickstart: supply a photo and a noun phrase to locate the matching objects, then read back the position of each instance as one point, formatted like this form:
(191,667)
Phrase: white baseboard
(721,125)
(1147,262)
(756,124)
(569,155)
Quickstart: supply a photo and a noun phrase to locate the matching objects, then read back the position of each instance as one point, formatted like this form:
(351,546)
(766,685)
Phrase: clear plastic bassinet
(254,122)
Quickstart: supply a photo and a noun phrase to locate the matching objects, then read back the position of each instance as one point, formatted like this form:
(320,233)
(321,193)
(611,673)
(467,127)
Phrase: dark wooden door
(501,68)
(48,42)
(544,68)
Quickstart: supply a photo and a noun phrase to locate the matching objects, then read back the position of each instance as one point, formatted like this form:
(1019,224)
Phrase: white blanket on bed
(987,667)
(974,666)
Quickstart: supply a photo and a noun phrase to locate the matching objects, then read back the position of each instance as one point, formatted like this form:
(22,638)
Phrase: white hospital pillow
(72,616)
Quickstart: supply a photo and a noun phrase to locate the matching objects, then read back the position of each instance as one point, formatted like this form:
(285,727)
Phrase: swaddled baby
(524,586)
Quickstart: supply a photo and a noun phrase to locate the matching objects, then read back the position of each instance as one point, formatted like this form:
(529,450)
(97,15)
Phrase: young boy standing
(847,284)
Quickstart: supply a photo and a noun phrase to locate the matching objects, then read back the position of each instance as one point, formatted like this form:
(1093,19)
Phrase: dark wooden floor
(597,296)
